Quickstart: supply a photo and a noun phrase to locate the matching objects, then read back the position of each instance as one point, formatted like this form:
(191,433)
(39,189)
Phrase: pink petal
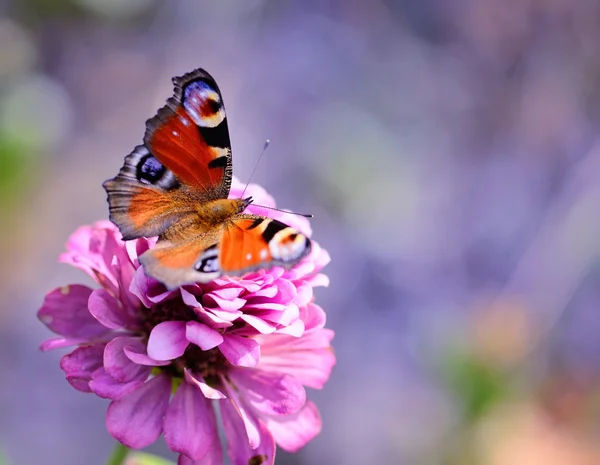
(80,364)
(139,287)
(105,386)
(136,419)
(60,343)
(228,293)
(313,316)
(167,340)
(224,315)
(65,311)
(198,381)
(268,292)
(239,415)
(190,299)
(239,450)
(137,355)
(284,316)
(319,280)
(296,329)
(240,351)
(91,248)
(212,300)
(268,306)
(259,324)
(287,291)
(107,310)
(190,425)
(309,358)
(205,316)
(305,293)
(201,335)
(320,256)
(292,432)
(269,392)
(118,365)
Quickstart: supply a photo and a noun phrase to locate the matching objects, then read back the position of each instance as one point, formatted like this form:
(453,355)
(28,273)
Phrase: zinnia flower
(165,358)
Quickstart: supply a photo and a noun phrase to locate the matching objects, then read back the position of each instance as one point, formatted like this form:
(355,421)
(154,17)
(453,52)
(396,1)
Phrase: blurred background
(449,150)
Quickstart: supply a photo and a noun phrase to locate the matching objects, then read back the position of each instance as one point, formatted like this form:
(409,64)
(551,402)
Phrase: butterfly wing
(243,244)
(251,242)
(186,261)
(189,135)
(185,159)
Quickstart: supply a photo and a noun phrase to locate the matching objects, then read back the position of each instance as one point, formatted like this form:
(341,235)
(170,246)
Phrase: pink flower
(165,358)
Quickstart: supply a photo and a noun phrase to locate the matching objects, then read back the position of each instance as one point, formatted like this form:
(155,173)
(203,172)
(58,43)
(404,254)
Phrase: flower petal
(138,356)
(59,343)
(65,311)
(105,386)
(313,316)
(260,449)
(240,351)
(269,392)
(198,381)
(136,419)
(308,358)
(80,364)
(295,329)
(92,248)
(259,324)
(204,337)
(292,432)
(107,310)
(167,340)
(305,293)
(118,365)
(190,425)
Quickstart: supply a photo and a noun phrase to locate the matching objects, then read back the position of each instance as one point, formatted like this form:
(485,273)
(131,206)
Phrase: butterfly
(176,186)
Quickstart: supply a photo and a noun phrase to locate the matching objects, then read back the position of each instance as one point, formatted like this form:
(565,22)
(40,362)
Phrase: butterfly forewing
(251,242)
(190,135)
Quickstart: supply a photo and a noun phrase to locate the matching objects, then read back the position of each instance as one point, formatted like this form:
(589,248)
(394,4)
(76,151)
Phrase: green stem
(119,454)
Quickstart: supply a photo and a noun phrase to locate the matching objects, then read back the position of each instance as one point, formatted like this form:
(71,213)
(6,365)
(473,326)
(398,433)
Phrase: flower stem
(118,455)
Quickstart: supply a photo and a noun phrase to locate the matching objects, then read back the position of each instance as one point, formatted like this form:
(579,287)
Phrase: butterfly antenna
(305,215)
(267,142)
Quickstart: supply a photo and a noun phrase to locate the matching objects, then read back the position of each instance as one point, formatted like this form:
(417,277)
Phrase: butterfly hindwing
(180,263)
(142,198)
(245,243)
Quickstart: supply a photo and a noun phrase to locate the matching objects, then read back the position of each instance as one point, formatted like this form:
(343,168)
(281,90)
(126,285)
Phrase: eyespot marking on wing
(203,103)
(208,261)
(288,246)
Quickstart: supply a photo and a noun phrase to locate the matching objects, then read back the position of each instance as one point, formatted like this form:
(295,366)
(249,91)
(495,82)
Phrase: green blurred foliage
(477,385)
(139,458)
(15,173)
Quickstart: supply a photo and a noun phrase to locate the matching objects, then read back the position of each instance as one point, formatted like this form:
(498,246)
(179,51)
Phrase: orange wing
(185,160)
(143,209)
(251,242)
(246,243)
(186,262)
(189,135)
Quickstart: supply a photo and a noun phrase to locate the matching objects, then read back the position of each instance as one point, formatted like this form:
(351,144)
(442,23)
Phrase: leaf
(139,458)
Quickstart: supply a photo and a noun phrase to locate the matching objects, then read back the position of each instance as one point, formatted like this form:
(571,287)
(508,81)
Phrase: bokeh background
(449,151)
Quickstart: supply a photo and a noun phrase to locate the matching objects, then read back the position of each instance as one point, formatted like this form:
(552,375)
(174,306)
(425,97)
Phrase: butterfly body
(176,186)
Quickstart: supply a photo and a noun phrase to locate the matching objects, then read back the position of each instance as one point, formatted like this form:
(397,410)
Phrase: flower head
(166,358)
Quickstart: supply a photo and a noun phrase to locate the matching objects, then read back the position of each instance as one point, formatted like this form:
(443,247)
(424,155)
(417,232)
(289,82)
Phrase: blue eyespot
(150,170)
